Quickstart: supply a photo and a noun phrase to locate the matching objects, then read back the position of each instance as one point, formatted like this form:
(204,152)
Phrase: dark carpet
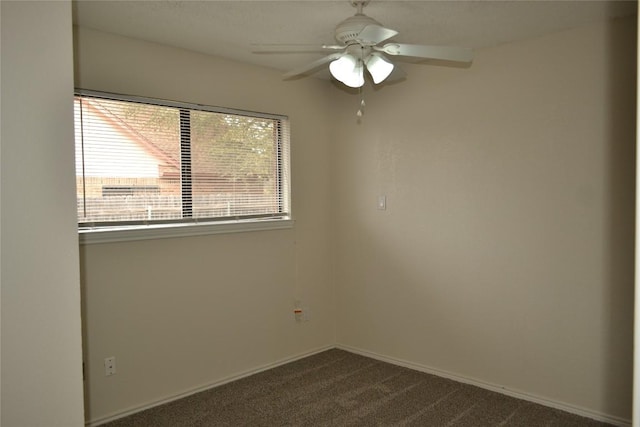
(338,388)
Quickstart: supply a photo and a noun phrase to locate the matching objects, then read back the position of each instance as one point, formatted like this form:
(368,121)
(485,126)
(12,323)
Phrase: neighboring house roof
(150,157)
(221,154)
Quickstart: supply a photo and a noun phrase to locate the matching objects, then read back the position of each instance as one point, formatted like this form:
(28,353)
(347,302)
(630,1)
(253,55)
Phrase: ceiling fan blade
(376,33)
(446,53)
(312,65)
(293,48)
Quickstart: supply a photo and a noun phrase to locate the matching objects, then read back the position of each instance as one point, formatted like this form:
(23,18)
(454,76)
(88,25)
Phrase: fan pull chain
(362,104)
(361,109)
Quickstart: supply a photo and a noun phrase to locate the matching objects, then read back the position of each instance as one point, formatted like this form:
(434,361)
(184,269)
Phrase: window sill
(149,232)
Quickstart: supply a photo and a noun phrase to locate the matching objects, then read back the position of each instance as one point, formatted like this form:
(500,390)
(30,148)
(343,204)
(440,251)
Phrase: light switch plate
(382,203)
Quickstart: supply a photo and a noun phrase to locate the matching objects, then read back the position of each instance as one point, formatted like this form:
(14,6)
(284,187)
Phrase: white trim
(176,104)
(168,399)
(399,362)
(492,387)
(148,232)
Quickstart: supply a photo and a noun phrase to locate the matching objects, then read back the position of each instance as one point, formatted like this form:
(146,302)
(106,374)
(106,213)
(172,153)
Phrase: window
(143,162)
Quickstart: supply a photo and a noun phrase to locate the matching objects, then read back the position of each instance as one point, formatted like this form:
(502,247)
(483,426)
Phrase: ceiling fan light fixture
(379,67)
(348,70)
(359,47)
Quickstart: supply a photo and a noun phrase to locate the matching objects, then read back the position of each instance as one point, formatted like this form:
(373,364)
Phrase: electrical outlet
(109,366)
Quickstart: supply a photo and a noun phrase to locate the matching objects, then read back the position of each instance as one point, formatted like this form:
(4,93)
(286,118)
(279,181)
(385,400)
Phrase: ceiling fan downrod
(359,5)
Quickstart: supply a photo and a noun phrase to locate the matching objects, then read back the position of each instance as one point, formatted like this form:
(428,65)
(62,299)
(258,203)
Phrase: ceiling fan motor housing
(347,31)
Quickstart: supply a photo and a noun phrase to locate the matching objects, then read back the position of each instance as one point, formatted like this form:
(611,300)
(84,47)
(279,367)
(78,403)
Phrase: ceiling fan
(359,48)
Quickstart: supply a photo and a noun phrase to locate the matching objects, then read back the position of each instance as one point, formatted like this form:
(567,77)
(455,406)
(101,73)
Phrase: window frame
(104,232)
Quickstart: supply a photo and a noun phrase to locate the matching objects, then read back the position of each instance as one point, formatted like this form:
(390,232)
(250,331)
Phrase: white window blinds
(141,161)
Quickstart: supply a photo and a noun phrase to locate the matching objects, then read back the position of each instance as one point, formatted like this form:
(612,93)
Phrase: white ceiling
(228,28)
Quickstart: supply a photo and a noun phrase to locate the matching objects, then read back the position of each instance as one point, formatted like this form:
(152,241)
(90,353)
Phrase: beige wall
(505,254)
(182,313)
(41,348)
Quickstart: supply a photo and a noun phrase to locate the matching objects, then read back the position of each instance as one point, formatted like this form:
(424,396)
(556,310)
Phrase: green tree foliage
(227,145)
(234,146)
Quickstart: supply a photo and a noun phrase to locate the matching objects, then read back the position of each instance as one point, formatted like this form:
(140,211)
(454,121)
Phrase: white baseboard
(167,399)
(492,387)
(418,367)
